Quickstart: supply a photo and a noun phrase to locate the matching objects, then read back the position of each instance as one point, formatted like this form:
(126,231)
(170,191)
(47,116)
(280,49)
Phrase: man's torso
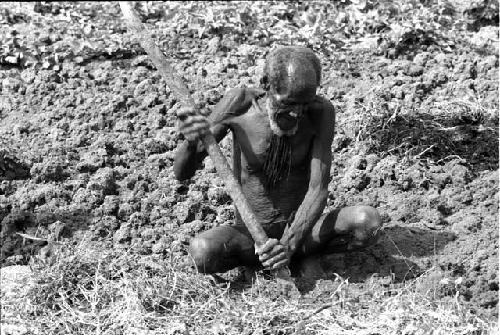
(253,134)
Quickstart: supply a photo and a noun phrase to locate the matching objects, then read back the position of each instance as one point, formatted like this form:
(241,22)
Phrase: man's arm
(190,154)
(315,199)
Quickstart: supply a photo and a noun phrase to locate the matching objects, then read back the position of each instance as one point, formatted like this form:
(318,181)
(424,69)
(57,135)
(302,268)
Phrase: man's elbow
(181,171)
(184,162)
(180,174)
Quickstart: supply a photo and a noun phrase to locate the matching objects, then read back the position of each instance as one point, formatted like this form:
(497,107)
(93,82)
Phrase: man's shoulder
(244,96)
(237,101)
(322,103)
(321,110)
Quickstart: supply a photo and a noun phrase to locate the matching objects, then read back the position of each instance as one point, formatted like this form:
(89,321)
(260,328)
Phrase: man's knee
(211,254)
(368,217)
(204,253)
(368,224)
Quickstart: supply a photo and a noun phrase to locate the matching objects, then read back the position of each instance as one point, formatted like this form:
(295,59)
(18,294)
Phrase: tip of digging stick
(284,276)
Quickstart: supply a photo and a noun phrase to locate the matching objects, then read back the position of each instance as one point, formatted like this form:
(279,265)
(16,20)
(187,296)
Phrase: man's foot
(218,280)
(246,274)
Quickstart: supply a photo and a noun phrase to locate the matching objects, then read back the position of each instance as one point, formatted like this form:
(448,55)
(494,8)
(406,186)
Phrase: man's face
(284,115)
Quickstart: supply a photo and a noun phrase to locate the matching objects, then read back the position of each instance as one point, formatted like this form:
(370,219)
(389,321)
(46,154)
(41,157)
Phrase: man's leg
(221,249)
(341,230)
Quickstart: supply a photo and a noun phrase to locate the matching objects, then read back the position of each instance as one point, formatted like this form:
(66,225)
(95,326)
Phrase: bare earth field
(95,228)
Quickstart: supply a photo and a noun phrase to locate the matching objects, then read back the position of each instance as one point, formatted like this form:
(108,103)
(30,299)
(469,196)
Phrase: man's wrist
(290,248)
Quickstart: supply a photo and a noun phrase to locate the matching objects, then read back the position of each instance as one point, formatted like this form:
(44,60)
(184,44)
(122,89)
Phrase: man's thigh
(342,229)
(222,248)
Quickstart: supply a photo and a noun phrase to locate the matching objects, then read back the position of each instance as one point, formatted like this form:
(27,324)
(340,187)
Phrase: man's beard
(273,122)
(279,153)
(278,160)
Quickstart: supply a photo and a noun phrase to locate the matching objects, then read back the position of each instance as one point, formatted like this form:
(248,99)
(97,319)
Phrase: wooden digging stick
(181,91)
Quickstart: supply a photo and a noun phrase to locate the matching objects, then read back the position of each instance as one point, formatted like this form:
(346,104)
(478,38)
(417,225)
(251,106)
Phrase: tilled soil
(416,137)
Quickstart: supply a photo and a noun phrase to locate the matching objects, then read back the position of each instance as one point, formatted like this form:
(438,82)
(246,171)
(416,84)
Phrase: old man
(284,133)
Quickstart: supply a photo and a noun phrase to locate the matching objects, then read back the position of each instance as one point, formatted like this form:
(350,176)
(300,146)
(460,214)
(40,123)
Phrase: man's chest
(254,135)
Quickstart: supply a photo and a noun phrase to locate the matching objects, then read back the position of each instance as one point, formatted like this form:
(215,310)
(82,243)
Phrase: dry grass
(88,291)
(465,129)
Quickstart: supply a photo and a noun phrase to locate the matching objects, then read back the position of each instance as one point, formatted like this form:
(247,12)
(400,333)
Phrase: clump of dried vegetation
(85,290)
(441,130)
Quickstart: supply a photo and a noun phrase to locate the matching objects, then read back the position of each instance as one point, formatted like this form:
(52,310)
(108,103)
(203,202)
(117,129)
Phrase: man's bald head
(292,74)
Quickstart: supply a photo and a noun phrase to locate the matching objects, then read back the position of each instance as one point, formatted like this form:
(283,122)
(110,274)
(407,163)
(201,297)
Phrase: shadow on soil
(466,135)
(55,224)
(388,259)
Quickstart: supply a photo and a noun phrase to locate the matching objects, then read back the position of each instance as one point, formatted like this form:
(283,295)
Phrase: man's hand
(191,124)
(272,254)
